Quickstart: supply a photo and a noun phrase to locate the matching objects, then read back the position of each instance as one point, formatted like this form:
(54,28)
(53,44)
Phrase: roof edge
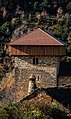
(59,41)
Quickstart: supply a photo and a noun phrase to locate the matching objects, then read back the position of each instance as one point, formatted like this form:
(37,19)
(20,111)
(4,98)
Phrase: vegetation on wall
(27,110)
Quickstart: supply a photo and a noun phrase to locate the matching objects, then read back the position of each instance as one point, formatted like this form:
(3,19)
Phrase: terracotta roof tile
(37,37)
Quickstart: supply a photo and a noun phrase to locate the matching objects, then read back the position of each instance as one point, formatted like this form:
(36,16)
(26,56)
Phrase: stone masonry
(45,72)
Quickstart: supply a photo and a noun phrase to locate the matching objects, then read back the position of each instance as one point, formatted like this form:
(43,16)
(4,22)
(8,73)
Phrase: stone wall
(45,72)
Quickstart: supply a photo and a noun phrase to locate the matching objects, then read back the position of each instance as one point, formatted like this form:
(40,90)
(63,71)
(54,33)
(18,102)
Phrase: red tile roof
(37,37)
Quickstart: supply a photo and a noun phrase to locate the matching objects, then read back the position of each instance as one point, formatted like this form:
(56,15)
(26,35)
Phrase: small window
(35,61)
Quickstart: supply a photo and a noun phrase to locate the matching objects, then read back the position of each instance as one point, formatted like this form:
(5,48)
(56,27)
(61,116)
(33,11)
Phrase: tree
(36,6)
(45,3)
(69,7)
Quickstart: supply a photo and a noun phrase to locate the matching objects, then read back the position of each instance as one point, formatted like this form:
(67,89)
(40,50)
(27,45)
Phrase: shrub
(3,114)
(29,110)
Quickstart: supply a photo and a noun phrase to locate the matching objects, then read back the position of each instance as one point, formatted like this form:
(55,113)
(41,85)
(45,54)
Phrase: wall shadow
(65,68)
(62,95)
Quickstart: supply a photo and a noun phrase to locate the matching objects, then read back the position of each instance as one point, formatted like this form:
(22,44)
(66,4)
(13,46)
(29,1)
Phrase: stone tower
(37,53)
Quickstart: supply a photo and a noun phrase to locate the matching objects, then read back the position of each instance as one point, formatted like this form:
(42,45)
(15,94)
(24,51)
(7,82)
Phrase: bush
(29,110)
(3,114)
(69,48)
(4,27)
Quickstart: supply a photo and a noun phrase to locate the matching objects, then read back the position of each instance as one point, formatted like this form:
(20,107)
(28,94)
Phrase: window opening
(35,61)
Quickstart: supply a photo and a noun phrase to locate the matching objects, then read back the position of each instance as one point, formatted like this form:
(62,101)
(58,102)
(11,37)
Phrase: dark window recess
(35,60)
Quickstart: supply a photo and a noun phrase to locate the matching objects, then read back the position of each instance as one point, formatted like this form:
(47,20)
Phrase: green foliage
(45,3)
(36,6)
(69,7)
(60,31)
(4,27)
(3,114)
(69,48)
(27,110)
